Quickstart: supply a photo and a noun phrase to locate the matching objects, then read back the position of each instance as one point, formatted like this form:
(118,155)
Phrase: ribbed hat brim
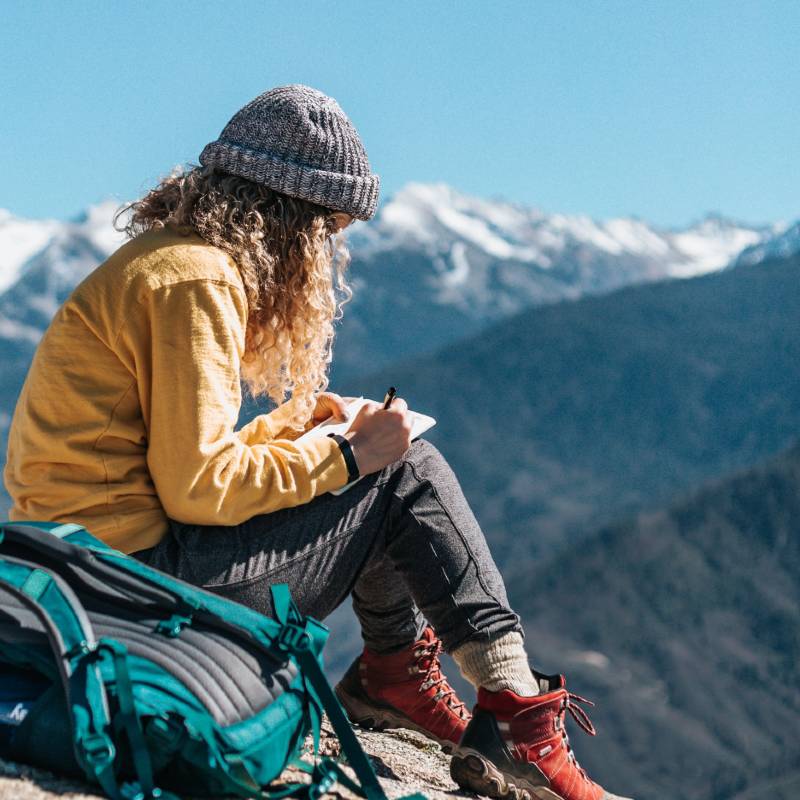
(356,195)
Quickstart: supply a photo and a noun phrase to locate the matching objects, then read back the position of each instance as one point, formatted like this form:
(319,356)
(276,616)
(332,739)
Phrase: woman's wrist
(353,472)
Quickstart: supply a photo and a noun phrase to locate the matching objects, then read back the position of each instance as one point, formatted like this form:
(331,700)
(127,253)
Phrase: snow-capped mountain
(431,250)
(22,239)
(42,261)
(491,257)
(433,215)
(30,303)
(783,245)
(435,266)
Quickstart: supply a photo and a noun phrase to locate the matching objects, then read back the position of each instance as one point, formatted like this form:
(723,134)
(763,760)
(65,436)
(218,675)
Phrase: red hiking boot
(405,690)
(517,748)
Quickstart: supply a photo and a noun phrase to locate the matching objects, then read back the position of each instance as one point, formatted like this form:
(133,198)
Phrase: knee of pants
(426,458)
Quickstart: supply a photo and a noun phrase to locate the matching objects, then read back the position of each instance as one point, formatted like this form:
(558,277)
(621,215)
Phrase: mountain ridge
(409,299)
(613,402)
(716,572)
(484,258)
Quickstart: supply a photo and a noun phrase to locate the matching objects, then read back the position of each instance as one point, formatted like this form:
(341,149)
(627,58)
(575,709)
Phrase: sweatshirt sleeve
(187,342)
(272,426)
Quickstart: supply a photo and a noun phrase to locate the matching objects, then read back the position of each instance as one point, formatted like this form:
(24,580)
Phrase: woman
(126,424)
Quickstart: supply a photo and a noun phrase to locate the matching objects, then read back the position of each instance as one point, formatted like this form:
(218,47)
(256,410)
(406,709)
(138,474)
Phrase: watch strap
(349,456)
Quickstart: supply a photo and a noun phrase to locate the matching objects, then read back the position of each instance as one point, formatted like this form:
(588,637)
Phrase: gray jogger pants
(403,541)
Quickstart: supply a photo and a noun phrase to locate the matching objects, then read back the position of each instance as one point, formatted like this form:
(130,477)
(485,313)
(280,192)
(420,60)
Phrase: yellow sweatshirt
(127,415)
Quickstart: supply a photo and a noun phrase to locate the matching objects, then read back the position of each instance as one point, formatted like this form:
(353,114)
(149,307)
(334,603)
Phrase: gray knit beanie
(298,141)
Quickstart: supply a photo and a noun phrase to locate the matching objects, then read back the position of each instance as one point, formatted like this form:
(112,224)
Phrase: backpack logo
(15,715)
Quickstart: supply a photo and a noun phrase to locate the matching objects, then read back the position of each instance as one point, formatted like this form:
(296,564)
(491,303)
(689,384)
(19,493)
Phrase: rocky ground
(405,762)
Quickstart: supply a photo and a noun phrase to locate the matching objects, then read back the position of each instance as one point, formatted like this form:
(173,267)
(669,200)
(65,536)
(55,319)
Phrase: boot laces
(582,718)
(427,664)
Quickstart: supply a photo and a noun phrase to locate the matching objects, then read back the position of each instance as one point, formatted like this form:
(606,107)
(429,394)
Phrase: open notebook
(421,423)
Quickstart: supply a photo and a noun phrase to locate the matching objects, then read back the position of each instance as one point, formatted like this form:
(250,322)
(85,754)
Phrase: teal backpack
(146,685)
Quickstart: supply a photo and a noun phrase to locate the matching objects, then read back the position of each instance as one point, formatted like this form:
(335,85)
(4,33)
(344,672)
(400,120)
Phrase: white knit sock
(498,664)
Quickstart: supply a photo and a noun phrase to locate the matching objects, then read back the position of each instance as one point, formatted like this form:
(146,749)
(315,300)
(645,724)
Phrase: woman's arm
(271,426)
(187,344)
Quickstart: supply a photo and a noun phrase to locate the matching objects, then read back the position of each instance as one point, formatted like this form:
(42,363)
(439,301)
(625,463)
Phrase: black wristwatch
(349,456)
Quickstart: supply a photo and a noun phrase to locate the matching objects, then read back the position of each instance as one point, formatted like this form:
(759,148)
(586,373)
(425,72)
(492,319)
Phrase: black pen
(387,401)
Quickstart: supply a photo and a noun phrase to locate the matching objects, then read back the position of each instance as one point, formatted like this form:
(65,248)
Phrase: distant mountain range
(565,417)
(434,267)
(437,265)
(684,625)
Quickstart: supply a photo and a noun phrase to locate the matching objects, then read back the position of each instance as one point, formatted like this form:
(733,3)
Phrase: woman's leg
(434,542)
(402,540)
(405,543)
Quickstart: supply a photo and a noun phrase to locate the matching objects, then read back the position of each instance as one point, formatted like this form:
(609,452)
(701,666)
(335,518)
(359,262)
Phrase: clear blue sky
(664,110)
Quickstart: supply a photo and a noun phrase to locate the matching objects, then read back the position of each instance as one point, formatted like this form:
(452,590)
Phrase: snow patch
(13,330)
(99,227)
(706,251)
(460,272)
(784,243)
(20,239)
(408,219)
(45,304)
(585,230)
(477,232)
(636,237)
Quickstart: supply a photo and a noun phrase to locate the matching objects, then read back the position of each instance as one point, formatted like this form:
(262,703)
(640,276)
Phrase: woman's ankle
(497,664)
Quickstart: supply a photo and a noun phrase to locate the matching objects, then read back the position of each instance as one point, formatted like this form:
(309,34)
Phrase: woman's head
(285,176)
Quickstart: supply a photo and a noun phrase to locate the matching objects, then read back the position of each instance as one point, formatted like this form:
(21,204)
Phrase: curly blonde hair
(292,264)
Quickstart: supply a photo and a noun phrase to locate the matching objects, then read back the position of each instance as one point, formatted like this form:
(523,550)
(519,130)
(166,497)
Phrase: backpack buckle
(164,733)
(294,638)
(82,648)
(97,750)
(324,777)
(173,626)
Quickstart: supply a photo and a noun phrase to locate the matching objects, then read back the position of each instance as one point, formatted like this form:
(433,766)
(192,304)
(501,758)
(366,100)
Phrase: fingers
(338,406)
(380,435)
(398,406)
(330,404)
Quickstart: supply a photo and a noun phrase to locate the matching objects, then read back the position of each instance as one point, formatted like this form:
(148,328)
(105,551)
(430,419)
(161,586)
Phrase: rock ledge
(405,761)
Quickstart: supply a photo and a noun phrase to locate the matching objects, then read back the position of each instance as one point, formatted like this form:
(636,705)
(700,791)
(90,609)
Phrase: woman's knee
(422,449)
(427,461)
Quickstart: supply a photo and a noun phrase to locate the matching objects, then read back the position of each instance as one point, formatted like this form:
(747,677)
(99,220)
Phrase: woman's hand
(380,436)
(330,404)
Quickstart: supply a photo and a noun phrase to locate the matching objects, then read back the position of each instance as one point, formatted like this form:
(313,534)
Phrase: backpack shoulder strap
(66,529)
(69,531)
(300,645)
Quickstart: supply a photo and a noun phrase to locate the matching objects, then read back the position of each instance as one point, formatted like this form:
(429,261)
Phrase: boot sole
(473,772)
(383,718)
